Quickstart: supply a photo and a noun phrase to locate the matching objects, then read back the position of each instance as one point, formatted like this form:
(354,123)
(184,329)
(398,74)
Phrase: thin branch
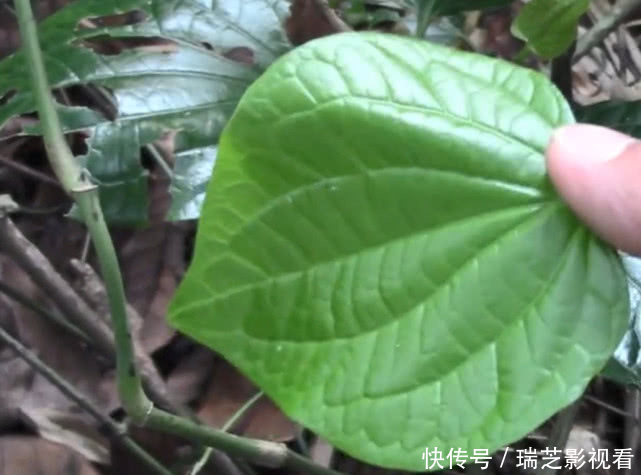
(241,411)
(38,267)
(77,183)
(112,429)
(51,316)
(25,170)
(160,160)
(72,306)
(604,27)
(613,409)
(236,416)
(260,452)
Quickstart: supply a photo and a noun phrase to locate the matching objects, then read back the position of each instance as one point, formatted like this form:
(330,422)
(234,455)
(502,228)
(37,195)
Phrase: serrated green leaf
(549,26)
(382,252)
(190,87)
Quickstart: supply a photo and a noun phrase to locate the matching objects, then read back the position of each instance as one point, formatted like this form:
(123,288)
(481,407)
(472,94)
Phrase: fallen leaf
(228,391)
(187,380)
(307,22)
(22,455)
(169,450)
(24,390)
(499,39)
(152,264)
(70,430)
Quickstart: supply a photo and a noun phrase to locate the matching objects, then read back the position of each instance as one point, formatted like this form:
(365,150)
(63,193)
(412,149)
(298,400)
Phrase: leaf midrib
(426,110)
(551,206)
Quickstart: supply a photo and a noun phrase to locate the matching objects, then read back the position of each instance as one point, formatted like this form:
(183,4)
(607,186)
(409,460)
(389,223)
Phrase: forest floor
(42,431)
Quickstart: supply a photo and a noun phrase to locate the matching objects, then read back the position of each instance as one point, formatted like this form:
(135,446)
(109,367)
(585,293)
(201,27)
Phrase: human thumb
(597,171)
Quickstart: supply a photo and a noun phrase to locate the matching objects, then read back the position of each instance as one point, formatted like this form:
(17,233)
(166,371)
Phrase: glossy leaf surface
(381,251)
(549,26)
(186,81)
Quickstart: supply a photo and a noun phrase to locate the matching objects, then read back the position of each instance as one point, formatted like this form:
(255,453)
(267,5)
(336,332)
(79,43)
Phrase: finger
(597,171)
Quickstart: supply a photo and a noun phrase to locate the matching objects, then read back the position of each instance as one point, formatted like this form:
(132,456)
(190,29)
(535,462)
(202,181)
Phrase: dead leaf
(24,390)
(22,455)
(187,380)
(499,39)
(70,430)
(240,54)
(228,391)
(15,375)
(9,34)
(321,452)
(307,22)
(153,260)
(63,352)
(169,450)
(155,333)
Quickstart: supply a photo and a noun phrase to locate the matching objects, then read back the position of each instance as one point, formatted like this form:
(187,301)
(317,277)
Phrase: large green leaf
(189,86)
(382,252)
(549,26)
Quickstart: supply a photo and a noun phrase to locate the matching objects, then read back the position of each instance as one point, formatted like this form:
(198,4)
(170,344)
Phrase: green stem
(522,55)
(241,411)
(226,426)
(112,429)
(63,164)
(129,383)
(77,183)
(260,452)
(424,10)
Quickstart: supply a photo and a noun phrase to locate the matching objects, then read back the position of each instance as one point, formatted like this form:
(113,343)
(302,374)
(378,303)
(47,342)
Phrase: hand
(597,171)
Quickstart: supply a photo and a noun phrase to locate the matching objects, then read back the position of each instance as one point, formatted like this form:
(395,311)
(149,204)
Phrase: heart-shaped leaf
(381,251)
